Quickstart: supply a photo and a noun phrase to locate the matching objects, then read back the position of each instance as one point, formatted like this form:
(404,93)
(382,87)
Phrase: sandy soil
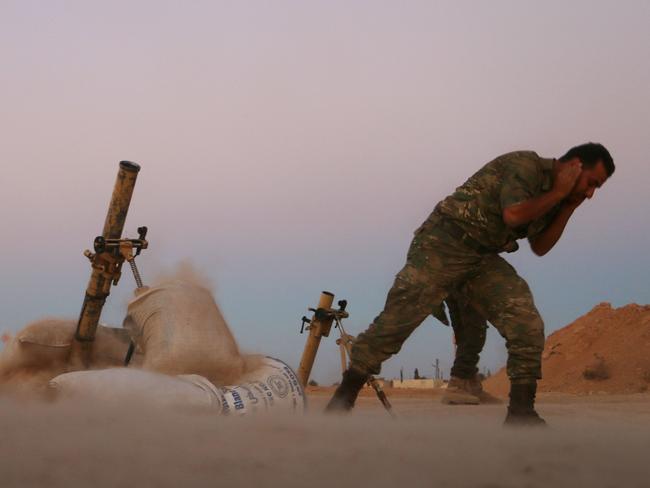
(600,440)
(593,441)
(607,350)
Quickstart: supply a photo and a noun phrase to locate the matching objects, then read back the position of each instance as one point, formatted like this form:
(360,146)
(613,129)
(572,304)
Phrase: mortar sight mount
(326,314)
(121,250)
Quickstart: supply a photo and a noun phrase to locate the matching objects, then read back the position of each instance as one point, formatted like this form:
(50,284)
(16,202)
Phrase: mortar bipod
(319,326)
(345,344)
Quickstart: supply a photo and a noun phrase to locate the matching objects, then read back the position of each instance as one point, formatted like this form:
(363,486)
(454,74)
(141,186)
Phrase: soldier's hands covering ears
(566,177)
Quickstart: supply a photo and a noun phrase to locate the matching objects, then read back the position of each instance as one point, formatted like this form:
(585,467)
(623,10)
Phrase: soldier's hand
(567,177)
(574,202)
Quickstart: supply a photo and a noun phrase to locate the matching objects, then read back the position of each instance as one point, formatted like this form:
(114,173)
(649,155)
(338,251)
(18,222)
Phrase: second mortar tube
(317,329)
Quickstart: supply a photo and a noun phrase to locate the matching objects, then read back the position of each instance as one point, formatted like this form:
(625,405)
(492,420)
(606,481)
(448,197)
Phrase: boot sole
(459,399)
(487,398)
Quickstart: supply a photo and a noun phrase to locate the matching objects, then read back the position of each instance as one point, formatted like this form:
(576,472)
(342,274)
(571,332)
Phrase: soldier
(455,252)
(464,387)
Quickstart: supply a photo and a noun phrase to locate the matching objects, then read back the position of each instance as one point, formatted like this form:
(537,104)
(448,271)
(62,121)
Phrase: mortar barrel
(121,199)
(317,329)
(100,281)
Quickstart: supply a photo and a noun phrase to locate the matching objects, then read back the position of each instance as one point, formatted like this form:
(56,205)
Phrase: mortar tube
(101,278)
(317,329)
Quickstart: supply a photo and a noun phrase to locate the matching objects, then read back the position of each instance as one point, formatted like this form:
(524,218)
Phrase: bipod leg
(128,255)
(381,395)
(129,353)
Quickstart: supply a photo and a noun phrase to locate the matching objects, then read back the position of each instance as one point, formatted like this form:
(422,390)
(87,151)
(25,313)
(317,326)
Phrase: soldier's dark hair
(590,154)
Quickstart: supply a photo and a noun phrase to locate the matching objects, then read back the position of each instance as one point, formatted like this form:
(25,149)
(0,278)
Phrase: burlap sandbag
(41,351)
(180,330)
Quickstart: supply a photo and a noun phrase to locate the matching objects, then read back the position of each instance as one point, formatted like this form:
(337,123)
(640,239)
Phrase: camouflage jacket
(477,206)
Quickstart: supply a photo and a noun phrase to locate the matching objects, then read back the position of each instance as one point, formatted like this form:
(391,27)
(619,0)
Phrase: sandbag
(129,386)
(271,388)
(41,351)
(179,330)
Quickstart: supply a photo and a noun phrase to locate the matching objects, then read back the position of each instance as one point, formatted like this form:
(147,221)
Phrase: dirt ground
(596,441)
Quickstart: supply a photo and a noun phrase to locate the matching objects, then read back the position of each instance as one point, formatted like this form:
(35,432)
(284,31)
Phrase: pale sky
(293,147)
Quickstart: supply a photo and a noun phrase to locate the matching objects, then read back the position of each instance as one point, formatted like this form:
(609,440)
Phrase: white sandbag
(127,386)
(41,351)
(271,388)
(179,329)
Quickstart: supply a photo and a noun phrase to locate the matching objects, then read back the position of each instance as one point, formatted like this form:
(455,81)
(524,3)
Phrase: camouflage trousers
(440,267)
(470,329)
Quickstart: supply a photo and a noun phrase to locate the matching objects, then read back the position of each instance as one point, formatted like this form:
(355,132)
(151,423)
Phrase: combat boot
(346,393)
(476,389)
(521,411)
(459,392)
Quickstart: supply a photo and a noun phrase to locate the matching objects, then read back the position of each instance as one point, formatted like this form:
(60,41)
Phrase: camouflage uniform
(454,256)
(470,330)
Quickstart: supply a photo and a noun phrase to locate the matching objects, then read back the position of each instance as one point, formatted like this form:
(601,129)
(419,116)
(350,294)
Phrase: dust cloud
(176,325)
(41,351)
(594,442)
(186,271)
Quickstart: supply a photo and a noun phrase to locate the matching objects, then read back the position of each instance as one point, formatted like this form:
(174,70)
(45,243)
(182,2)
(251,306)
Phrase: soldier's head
(597,166)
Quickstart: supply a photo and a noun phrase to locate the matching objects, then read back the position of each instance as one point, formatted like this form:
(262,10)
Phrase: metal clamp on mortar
(122,249)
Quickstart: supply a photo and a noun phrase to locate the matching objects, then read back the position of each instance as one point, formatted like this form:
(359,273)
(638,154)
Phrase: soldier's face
(589,181)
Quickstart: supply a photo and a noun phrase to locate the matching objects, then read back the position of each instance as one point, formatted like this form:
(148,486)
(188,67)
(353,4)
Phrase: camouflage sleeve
(520,181)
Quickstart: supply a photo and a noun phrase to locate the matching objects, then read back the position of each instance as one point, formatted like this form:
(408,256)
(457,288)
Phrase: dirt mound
(605,351)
